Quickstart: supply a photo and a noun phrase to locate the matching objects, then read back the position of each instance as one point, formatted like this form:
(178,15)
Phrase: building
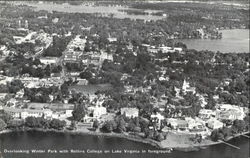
(18,113)
(97,111)
(206,113)
(229,112)
(130,112)
(3,95)
(177,124)
(157,118)
(48,60)
(187,88)
(195,125)
(214,123)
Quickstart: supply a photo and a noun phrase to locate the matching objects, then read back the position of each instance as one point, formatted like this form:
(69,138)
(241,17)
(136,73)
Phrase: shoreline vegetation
(170,146)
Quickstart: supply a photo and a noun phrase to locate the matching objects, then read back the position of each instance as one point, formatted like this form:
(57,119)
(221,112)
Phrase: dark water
(59,141)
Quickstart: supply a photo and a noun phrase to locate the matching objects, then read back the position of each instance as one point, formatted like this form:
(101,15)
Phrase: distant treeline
(138,0)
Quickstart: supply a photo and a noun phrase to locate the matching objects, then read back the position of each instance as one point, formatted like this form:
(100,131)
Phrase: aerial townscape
(132,78)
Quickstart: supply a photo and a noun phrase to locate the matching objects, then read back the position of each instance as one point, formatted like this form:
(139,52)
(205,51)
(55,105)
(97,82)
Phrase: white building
(3,95)
(214,123)
(24,113)
(229,112)
(187,88)
(130,112)
(48,60)
(206,113)
(157,118)
(98,111)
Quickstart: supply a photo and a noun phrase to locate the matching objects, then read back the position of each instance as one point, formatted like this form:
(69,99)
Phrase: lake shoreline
(190,147)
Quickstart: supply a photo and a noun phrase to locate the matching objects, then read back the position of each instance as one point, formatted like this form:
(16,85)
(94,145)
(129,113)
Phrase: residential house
(206,113)
(130,112)
(98,111)
(195,124)
(177,124)
(229,112)
(214,123)
(157,119)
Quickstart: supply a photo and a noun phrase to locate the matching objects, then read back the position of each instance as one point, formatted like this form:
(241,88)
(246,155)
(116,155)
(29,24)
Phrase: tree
(160,137)
(86,75)
(131,126)
(3,125)
(64,89)
(6,117)
(239,125)
(109,126)
(79,112)
(211,103)
(95,124)
(32,122)
(57,124)
(121,125)
(15,85)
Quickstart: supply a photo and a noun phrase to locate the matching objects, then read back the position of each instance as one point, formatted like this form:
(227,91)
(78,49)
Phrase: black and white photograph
(124,79)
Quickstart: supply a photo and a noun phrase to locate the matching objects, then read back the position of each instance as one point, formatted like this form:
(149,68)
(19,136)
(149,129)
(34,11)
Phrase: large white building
(18,113)
(229,112)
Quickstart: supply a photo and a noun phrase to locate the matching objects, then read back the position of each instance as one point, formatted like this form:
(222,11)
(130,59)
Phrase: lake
(117,11)
(236,40)
(59,141)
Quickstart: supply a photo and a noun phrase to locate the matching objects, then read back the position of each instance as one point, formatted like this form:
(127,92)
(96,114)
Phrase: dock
(230,145)
(245,136)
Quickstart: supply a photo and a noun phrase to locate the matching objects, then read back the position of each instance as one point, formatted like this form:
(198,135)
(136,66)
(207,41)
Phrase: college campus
(130,78)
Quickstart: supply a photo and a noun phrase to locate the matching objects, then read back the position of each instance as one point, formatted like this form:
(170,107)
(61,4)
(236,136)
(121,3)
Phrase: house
(231,115)
(48,60)
(195,125)
(177,123)
(82,81)
(229,112)
(112,39)
(206,113)
(5,79)
(214,123)
(20,94)
(3,95)
(157,118)
(187,88)
(12,102)
(97,111)
(130,112)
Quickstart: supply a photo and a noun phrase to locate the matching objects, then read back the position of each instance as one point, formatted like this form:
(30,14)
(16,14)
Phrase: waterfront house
(195,125)
(214,123)
(130,112)
(97,111)
(177,123)
(229,112)
(157,119)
